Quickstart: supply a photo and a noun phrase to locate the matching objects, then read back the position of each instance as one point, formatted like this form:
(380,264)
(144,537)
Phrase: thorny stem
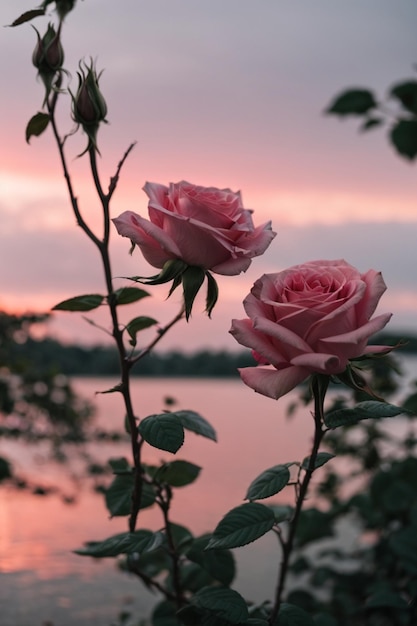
(319,387)
(164,502)
(117,333)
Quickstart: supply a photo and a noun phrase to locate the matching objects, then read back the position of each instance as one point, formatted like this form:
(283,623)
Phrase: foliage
(399,115)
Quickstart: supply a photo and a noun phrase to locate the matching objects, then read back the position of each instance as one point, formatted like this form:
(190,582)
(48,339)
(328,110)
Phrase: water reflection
(46,581)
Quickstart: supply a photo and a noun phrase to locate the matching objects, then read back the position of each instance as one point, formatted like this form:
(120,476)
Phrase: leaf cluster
(400,120)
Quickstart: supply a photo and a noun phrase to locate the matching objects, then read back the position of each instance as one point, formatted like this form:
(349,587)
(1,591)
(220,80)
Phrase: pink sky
(228,94)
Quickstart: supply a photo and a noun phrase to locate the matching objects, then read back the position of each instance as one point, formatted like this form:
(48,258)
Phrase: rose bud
(48,55)
(89,108)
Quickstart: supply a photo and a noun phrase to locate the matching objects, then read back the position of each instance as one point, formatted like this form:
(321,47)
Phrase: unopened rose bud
(48,55)
(89,108)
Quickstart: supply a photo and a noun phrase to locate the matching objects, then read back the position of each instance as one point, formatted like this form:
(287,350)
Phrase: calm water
(42,582)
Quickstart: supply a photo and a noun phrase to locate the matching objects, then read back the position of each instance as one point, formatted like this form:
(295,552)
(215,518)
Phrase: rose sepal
(212,293)
(352,377)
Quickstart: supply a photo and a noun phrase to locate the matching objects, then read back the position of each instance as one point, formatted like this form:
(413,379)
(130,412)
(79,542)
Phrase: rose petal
(156,246)
(244,333)
(352,344)
(271,382)
(321,363)
(281,334)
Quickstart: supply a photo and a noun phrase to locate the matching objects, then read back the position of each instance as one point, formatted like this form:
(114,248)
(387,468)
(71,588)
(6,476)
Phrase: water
(42,582)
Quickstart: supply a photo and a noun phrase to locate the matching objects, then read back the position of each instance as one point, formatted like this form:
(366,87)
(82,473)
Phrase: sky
(224,93)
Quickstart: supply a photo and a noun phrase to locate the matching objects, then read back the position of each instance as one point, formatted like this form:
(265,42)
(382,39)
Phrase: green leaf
(242,525)
(270,482)
(127,295)
(119,495)
(178,473)
(27,16)
(120,465)
(181,537)
(220,564)
(138,324)
(370,123)
(164,614)
(321,459)
(123,543)
(353,102)
(386,599)
(212,293)
(192,279)
(369,409)
(403,543)
(224,604)
(163,431)
(37,125)
(406,93)
(404,138)
(5,469)
(192,421)
(291,615)
(80,303)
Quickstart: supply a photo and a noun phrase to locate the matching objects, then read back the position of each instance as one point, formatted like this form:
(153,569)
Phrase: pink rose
(310,318)
(203,226)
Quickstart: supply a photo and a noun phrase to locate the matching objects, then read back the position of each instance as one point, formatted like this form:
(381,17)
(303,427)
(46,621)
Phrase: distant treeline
(74,360)
(77,360)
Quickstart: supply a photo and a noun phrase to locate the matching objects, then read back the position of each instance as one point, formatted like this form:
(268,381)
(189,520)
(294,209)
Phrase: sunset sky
(225,93)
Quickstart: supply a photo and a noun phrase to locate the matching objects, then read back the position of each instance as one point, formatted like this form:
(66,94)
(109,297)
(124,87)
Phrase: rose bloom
(310,318)
(203,226)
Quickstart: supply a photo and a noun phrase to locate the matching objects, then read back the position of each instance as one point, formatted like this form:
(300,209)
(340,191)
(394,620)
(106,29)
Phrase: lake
(42,582)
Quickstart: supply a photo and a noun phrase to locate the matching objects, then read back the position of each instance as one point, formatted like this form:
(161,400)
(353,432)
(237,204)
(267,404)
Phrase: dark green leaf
(181,537)
(178,473)
(321,459)
(388,599)
(127,295)
(5,469)
(163,431)
(164,614)
(119,495)
(138,324)
(80,303)
(192,279)
(291,615)
(171,270)
(353,102)
(242,525)
(37,125)
(123,543)
(212,293)
(270,482)
(220,564)
(371,122)
(225,604)
(406,93)
(404,545)
(404,138)
(195,423)
(27,16)
(410,404)
(120,465)
(369,409)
